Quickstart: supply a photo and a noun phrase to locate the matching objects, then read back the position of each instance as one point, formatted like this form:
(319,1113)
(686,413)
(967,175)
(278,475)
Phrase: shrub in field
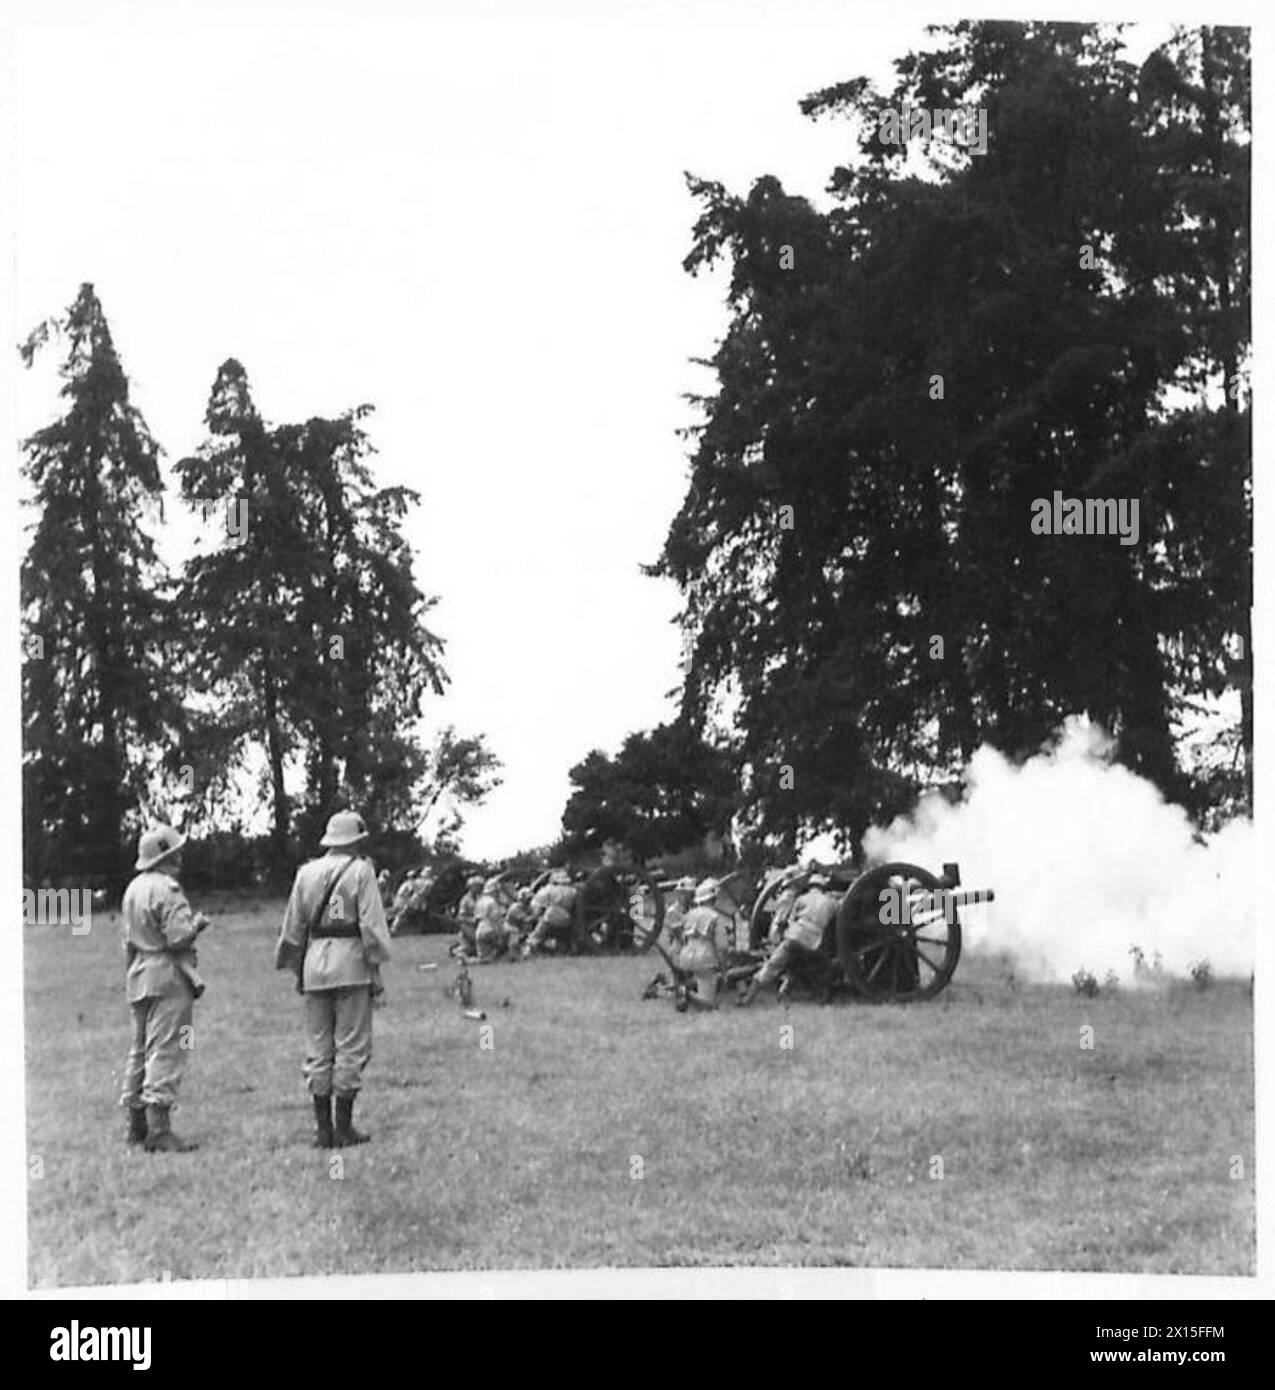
(1202,973)
(1085,983)
(1111,982)
(1141,970)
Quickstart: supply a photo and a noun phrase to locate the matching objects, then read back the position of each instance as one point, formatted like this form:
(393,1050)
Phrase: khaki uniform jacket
(555,904)
(675,915)
(489,913)
(700,929)
(810,916)
(159,937)
(519,918)
(336,961)
(782,910)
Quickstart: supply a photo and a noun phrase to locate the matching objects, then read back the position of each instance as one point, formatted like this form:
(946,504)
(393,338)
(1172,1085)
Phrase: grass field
(602,1130)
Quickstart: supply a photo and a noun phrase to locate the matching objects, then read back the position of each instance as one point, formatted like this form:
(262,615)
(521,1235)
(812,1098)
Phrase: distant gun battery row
(891,931)
(522,912)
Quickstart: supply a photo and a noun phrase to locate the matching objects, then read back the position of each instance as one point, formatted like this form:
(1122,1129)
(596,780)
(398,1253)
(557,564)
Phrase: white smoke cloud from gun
(1086,860)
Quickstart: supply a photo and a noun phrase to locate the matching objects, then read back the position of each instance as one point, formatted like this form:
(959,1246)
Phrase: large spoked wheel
(894,941)
(631,919)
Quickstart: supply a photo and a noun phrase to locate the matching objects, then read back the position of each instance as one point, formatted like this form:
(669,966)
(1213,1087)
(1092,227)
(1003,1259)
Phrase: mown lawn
(597,1129)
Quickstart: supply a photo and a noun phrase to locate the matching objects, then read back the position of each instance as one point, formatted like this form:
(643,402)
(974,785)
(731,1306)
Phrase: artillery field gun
(896,936)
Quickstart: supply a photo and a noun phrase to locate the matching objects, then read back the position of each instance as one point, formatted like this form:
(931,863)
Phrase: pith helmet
(156,845)
(492,885)
(707,891)
(473,881)
(524,895)
(685,885)
(819,880)
(344,829)
(560,876)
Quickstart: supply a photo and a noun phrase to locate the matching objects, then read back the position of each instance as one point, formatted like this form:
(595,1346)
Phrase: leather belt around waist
(333,930)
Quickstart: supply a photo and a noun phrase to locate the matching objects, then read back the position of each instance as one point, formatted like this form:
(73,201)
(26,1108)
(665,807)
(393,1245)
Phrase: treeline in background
(292,648)
(865,604)
(958,335)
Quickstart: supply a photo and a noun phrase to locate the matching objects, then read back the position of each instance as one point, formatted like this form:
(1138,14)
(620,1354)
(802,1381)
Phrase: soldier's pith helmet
(685,885)
(560,876)
(344,829)
(473,881)
(818,880)
(156,845)
(707,891)
(524,895)
(492,885)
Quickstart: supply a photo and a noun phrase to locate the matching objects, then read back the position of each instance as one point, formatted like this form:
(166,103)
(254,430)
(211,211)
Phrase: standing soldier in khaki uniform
(335,937)
(160,932)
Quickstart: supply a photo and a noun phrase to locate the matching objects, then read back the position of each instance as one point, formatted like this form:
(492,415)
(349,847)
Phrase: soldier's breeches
(786,954)
(162,1040)
(338,1039)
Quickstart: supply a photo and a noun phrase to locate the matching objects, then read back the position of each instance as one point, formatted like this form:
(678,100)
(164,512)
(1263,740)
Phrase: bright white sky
(474,221)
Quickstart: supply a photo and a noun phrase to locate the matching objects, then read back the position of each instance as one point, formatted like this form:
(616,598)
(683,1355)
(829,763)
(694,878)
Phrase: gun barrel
(969,897)
(943,901)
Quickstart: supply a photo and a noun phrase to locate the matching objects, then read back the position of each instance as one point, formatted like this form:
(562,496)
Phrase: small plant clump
(1143,971)
(1202,973)
(1085,982)
(1111,982)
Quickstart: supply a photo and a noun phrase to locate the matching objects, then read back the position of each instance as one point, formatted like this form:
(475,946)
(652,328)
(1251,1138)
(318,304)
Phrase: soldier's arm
(287,949)
(178,925)
(372,925)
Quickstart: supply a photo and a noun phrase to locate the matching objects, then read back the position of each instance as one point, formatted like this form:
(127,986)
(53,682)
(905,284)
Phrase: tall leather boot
(160,1138)
(346,1135)
(323,1137)
(136,1124)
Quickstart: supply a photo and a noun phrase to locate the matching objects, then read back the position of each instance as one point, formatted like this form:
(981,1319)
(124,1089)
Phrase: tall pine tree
(96,684)
(370,660)
(240,601)
(306,621)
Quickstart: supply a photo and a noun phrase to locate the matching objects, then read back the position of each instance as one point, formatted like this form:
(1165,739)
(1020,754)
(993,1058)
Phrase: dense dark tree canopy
(663,792)
(297,629)
(306,618)
(238,601)
(904,375)
(97,687)
(371,659)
